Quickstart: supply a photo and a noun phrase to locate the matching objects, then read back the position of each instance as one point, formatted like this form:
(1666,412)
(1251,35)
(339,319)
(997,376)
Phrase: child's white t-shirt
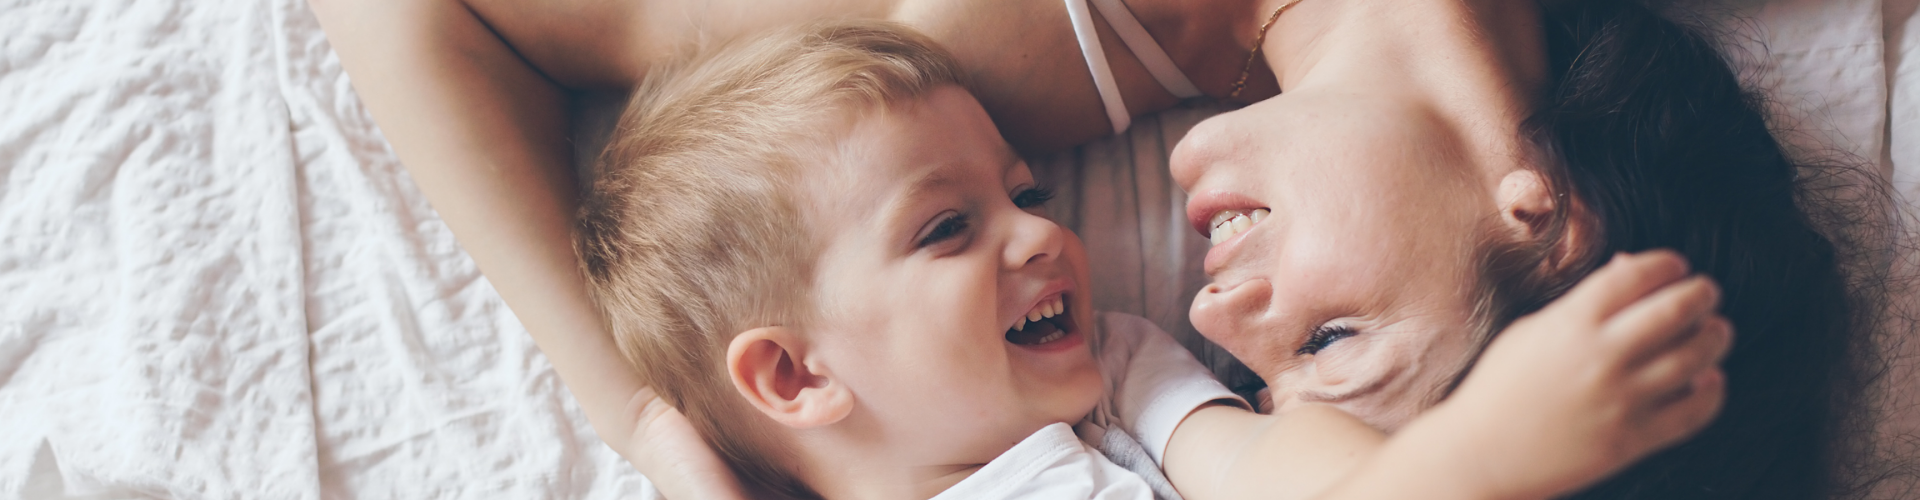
(1114,453)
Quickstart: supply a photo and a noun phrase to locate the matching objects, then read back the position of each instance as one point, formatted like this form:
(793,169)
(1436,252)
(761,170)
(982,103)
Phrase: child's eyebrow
(933,180)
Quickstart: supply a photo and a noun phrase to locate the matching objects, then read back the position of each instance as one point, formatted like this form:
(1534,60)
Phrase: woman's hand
(1622,366)
(482,134)
(667,449)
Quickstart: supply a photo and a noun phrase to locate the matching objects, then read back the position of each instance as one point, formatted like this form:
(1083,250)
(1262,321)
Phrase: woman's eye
(1324,336)
(1032,197)
(946,229)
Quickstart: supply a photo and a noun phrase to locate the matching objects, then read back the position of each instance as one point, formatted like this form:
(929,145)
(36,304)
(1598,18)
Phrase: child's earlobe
(769,368)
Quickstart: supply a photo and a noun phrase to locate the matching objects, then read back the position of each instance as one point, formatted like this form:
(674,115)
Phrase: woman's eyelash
(946,229)
(1032,197)
(1324,336)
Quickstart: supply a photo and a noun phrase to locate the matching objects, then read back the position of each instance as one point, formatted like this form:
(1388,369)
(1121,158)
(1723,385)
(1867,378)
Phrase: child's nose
(1035,240)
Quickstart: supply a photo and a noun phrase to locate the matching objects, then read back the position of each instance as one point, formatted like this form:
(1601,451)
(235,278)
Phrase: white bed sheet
(216,281)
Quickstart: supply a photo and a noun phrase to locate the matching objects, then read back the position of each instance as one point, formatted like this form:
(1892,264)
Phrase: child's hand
(668,450)
(1624,365)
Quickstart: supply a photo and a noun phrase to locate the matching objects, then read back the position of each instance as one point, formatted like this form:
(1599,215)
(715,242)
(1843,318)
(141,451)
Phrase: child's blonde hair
(690,233)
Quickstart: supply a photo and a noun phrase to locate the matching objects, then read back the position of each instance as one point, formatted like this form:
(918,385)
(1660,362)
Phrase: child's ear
(1528,207)
(771,368)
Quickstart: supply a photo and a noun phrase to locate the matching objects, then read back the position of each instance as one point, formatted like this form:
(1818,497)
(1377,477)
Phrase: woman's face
(1357,288)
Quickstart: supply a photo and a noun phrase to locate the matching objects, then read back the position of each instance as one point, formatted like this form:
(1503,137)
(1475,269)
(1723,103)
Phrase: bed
(216,280)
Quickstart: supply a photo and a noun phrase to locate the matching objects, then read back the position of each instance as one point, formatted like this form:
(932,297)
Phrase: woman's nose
(1208,142)
(1224,313)
(1035,240)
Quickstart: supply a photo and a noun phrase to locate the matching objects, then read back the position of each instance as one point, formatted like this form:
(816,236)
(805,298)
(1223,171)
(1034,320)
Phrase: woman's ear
(770,367)
(1526,203)
(1528,208)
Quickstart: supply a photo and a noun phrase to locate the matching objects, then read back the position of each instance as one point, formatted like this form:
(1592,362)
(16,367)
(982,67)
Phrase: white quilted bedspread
(216,281)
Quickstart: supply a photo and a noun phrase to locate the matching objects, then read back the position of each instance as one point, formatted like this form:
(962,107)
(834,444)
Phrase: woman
(1555,143)
(1510,174)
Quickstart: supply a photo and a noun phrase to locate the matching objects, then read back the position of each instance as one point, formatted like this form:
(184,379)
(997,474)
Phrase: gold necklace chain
(1253,55)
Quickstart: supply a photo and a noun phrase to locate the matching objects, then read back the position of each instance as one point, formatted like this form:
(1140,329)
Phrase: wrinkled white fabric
(216,281)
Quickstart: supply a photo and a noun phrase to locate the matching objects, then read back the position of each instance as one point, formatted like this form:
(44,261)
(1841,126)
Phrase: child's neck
(854,483)
(840,466)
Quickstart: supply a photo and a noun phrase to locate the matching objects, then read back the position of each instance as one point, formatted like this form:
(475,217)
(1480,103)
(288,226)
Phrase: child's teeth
(1044,310)
(1260,214)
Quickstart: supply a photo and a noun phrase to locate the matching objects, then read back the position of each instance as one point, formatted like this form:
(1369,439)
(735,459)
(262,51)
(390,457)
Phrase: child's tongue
(1034,334)
(1040,332)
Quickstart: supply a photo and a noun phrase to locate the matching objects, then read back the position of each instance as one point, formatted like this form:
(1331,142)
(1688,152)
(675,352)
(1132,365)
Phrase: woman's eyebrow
(1010,159)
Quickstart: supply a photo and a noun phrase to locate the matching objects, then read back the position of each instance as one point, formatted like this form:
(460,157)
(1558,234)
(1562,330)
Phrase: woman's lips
(1221,253)
(1203,206)
(1224,218)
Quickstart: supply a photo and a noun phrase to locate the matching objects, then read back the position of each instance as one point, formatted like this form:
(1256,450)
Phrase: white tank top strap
(1147,49)
(1139,41)
(1097,64)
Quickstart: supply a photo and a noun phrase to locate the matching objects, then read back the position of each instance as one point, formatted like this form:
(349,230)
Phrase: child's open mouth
(1045,323)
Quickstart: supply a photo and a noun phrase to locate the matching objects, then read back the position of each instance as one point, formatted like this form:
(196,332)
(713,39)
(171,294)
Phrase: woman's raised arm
(483,134)
(1027,68)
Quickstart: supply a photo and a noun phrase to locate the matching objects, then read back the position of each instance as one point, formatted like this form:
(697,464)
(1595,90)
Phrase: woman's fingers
(1664,319)
(1623,281)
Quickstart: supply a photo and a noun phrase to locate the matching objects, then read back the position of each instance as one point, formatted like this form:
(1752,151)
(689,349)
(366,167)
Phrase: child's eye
(946,229)
(1324,336)
(1032,197)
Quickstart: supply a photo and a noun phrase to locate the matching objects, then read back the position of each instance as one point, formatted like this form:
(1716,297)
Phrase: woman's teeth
(1045,310)
(1228,223)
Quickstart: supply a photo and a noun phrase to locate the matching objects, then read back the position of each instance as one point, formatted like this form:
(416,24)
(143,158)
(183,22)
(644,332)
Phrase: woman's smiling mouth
(1229,223)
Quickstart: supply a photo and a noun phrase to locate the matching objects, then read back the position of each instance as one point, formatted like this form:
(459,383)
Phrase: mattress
(216,280)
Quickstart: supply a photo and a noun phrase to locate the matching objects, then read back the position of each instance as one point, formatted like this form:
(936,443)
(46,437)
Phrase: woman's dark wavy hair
(1645,124)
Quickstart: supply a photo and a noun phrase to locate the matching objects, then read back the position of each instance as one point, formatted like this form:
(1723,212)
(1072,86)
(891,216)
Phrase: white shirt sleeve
(1154,382)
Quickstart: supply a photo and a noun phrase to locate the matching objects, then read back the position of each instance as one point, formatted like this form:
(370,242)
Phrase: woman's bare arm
(1026,66)
(482,134)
